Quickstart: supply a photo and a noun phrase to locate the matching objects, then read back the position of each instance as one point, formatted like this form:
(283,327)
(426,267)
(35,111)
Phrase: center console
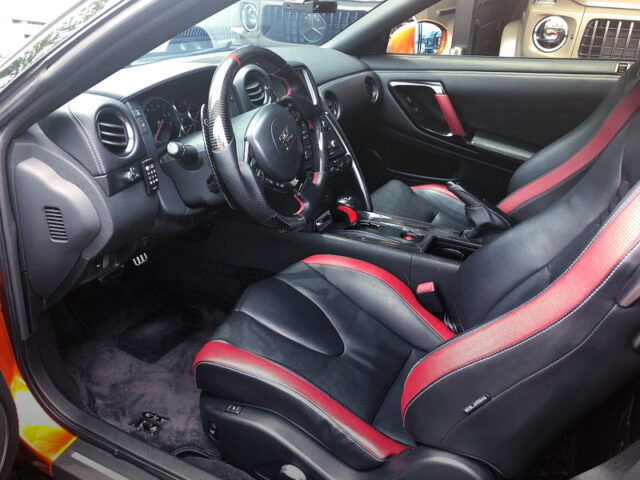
(409,235)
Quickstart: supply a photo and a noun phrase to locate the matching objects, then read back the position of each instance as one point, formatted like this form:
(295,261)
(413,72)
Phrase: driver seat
(334,366)
(538,182)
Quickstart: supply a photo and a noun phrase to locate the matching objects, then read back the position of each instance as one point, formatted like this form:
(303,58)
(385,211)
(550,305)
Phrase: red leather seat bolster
(593,266)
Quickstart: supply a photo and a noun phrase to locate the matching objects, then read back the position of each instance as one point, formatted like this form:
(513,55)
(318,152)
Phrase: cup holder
(447,252)
(451,248)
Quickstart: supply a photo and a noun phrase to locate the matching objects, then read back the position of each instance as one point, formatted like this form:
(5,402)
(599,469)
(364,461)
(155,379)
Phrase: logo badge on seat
(286,137)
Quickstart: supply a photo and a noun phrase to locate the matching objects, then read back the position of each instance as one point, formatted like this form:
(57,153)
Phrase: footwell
(119,380)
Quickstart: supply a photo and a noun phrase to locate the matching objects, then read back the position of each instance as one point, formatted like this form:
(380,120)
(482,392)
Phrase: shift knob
(349,206)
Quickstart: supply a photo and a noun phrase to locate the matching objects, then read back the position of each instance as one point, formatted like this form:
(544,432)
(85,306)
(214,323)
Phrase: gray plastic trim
(50,260)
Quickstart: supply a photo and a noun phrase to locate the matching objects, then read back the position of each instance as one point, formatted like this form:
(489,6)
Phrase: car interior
(304,262)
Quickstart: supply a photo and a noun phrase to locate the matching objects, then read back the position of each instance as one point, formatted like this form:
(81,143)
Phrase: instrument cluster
(170,120)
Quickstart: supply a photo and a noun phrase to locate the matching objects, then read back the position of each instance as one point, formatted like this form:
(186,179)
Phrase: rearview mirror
(425,37)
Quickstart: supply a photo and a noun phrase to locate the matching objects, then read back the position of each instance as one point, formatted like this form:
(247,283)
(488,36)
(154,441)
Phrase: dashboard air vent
(256,90)
(332,103)
(372,89)
(55,224)
(114,131)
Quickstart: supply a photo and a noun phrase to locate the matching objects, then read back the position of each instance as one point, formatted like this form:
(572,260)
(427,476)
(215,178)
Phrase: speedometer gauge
(163,120)
(190,113)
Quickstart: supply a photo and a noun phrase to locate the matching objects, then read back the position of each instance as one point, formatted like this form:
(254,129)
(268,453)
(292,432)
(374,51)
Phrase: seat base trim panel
(367,437)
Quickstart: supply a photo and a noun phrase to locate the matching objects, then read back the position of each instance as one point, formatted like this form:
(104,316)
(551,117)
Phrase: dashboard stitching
(96,157)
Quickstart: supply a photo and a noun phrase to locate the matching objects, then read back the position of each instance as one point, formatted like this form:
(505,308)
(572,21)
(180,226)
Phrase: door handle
(450,115)
(443,101)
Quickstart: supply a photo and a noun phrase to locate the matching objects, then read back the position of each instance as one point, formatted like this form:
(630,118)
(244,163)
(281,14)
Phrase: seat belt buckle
(428,296)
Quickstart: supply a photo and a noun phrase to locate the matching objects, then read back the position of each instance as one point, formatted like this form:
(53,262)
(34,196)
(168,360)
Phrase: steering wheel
(263,149)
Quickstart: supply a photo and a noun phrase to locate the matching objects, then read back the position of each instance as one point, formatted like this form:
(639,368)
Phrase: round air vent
(332,103)
(256,90)
(371,88)
(115,131)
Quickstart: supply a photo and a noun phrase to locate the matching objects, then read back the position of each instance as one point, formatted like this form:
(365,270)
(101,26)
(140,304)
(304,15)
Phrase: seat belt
(624,466)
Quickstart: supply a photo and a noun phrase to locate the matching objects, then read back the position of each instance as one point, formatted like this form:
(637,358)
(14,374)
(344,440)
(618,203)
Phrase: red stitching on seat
(361,432)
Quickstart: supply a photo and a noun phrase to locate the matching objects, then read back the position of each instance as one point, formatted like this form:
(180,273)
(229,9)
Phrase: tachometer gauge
(190,113)
(163,120)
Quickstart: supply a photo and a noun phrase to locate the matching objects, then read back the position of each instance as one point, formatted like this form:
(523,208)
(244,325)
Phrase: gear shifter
(484,217)
(349,206)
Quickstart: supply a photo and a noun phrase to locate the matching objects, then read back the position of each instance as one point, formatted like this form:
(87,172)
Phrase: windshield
(265,23)
(19,21)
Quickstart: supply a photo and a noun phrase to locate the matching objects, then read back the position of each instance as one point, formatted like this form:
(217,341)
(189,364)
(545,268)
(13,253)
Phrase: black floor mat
(114,382)
(160,331)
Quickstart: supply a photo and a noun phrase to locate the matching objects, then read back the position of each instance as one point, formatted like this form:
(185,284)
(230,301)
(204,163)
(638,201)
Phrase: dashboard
(99,170)
(174,109)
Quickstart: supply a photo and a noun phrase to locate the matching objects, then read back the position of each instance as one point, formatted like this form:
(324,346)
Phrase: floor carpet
(117,386)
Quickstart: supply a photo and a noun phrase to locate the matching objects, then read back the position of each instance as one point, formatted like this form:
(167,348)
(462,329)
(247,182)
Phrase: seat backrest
(554,170)
(545,338)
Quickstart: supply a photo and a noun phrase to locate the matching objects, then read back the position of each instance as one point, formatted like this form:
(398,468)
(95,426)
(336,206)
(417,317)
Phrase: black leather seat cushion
(426,203)
(341,326)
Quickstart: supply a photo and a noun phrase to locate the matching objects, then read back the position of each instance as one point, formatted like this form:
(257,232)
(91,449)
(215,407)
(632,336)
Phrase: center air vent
(256,90)
(372,89)
(115,131)
(55,224)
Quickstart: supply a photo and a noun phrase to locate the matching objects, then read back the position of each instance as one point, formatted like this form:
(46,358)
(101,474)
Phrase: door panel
(509,108)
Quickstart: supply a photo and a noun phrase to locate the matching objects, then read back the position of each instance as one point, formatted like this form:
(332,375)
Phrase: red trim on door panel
(220,353)
(554,303)
(450,115)
(616,121)
(436,187)
(392,281)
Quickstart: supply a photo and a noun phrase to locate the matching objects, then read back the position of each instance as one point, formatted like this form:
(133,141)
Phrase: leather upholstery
(341,326)
(544,338)
(541,180)
(426,203)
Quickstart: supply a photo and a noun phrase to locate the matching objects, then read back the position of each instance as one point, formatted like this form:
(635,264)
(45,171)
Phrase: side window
(522,28)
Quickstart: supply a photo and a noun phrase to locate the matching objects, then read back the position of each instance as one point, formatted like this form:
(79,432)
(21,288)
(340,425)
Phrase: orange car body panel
(42,440)
(402,41)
